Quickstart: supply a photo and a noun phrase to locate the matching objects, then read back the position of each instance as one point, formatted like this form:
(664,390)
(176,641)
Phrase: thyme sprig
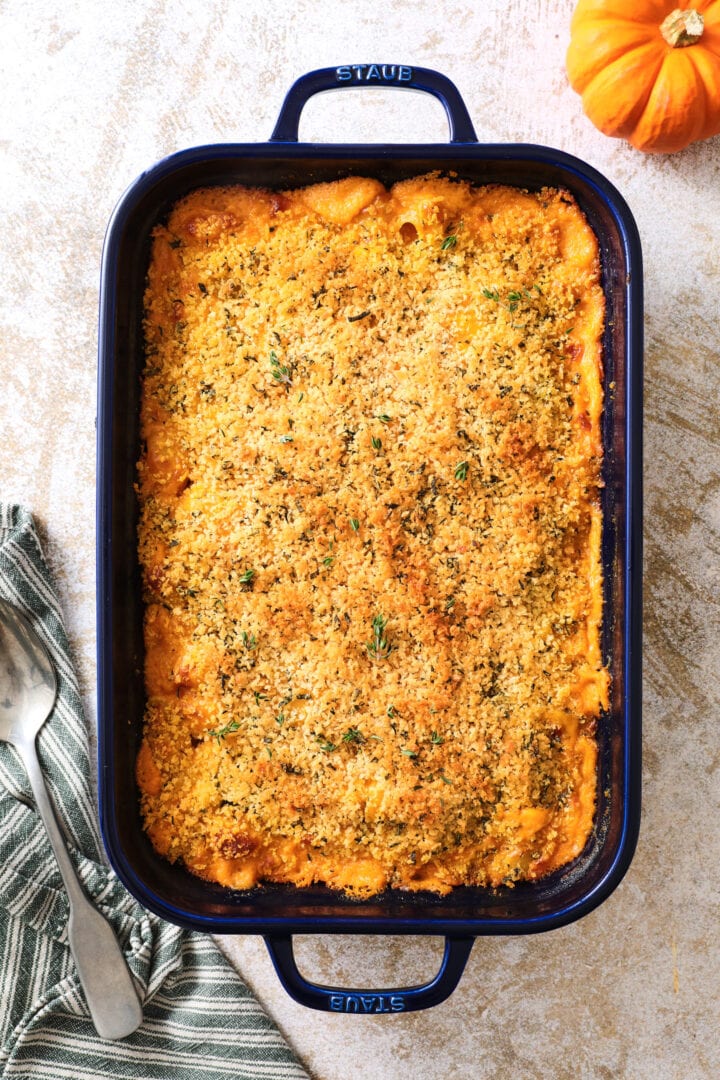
(228,729)
(379,648)
(461,470)
(513,296)
(282,373)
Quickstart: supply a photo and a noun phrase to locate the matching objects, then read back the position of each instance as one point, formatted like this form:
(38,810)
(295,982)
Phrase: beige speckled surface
(93,93)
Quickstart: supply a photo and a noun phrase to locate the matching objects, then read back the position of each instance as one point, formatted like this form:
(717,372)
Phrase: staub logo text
(367,1003)
(374,73)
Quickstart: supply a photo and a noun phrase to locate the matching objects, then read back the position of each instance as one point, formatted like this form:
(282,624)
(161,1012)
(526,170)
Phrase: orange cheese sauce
(370,535)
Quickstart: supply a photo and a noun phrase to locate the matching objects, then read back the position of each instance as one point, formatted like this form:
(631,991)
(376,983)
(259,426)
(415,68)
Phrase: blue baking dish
(278,912)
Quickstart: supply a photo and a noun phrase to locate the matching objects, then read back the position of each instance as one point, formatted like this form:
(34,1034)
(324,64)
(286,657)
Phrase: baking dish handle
(369,1002)
(387,75)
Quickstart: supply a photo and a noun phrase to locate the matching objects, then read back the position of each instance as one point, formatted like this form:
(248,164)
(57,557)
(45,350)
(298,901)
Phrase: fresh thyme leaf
(490,294)
(249,640)
(383,418)
(435,739)
(461,470)
(354,524)
(323,743)
(409,753)
(444,779)
(448,242)
(280,719)
(247,577)
(353,735)
(286,438)
(377,443)
(328,560)
(391,711)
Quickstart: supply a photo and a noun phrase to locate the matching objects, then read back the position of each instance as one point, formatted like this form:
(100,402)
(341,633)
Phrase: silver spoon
(28,688)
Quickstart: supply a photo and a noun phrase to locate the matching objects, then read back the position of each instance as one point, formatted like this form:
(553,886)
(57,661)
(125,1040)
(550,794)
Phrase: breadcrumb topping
(370,534)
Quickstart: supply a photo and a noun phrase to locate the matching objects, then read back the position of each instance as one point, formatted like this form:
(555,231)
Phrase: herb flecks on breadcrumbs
(370,534)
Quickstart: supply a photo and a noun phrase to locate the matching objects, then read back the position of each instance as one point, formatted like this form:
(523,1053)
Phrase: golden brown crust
(370,534)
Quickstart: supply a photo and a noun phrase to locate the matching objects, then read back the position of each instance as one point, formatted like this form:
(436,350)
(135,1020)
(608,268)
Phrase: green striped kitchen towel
(200,1021)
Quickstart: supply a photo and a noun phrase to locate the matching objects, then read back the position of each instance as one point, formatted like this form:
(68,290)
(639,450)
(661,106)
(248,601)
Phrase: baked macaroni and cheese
(370,534)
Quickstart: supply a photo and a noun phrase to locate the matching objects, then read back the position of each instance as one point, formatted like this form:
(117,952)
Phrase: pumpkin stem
(682,28)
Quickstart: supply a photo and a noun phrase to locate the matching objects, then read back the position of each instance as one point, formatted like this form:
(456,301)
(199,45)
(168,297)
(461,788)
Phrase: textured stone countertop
(94,93)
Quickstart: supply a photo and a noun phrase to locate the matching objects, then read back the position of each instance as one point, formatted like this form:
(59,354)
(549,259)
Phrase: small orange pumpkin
(648,70)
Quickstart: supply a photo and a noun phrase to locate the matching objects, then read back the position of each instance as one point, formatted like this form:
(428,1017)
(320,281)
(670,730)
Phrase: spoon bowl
(28,686)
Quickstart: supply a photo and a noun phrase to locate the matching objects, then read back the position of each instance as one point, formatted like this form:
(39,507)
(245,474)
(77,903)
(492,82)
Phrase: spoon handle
(104,974)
